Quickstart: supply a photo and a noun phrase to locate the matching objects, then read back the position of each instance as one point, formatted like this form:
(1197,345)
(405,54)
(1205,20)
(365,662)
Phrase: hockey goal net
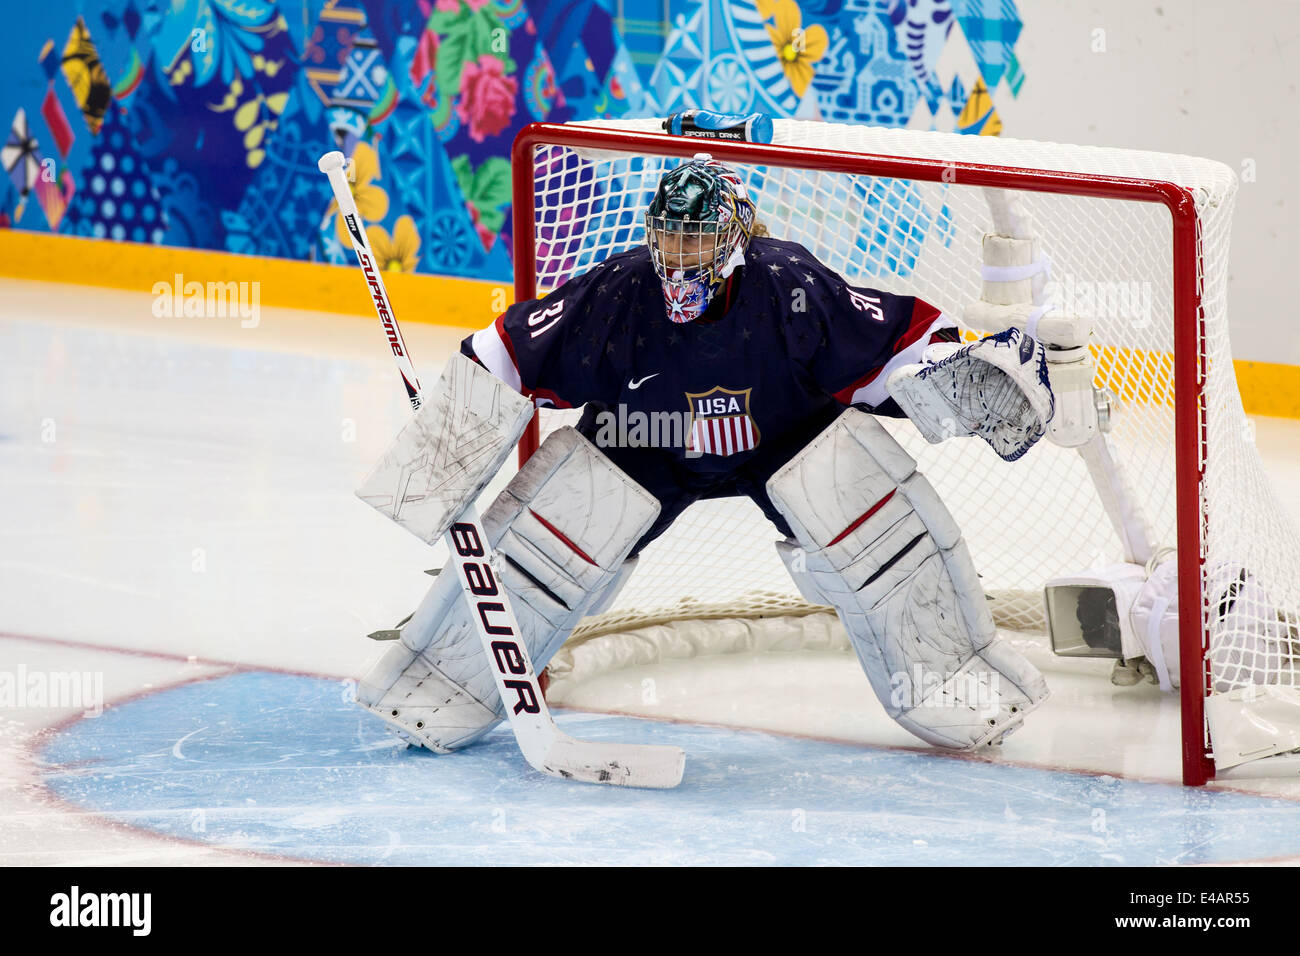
(1135,241)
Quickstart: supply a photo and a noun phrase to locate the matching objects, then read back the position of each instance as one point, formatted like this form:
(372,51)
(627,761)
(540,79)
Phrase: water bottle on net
(705,124)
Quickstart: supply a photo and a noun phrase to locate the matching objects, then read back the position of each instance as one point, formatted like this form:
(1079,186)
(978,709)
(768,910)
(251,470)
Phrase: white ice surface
(176,500)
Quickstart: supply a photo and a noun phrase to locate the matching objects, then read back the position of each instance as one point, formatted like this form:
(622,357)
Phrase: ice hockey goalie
(780,370)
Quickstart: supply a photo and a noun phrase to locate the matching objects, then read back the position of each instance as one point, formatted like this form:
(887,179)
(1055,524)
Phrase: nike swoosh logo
(634,384)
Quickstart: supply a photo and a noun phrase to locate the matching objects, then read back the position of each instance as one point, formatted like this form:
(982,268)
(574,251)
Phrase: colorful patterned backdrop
(198,123)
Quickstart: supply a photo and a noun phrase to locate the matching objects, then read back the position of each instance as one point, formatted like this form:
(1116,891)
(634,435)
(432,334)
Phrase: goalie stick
(542,743)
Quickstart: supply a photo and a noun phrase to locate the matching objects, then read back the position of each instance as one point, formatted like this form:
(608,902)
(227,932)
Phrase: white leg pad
(795,560)
(610,594)
(561,530)
(884,551)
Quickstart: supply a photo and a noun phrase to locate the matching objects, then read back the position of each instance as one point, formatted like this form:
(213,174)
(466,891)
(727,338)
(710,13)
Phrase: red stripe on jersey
(536,394)
(500,326)
(923,316)
(845,395)
(560,534)
(863,517)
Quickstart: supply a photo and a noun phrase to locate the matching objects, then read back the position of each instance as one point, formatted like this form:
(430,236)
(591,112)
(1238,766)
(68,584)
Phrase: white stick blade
(650,767)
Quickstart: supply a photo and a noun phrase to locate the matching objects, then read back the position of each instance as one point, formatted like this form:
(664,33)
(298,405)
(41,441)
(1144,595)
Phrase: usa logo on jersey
(721,423)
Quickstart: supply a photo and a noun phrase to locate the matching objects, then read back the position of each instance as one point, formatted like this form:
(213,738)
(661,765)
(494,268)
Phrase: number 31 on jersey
(549,315)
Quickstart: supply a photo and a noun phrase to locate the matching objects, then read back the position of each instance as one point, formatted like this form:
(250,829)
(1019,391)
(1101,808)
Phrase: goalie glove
(996,388)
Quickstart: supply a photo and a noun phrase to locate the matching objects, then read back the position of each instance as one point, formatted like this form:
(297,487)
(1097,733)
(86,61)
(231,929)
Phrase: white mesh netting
(1027,521)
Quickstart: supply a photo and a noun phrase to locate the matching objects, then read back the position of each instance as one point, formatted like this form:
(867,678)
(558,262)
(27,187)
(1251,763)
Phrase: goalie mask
(698,227)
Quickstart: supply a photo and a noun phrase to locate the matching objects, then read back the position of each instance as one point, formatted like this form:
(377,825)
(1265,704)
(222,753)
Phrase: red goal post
(936,160)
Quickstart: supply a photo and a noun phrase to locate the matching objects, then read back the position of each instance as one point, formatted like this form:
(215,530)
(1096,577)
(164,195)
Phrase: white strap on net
(1040,266)
(1031,321)
(1156,650)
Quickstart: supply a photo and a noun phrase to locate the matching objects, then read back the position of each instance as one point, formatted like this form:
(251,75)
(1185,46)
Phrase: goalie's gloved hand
(996,388)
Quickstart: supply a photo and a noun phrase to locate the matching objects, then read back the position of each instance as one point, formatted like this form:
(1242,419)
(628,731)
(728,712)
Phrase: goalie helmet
(698,227)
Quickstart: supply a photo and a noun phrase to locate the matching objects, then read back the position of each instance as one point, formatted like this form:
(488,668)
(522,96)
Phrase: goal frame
(1190,439)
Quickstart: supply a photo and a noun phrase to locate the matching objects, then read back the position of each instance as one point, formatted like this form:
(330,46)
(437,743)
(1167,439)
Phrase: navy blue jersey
(784,343)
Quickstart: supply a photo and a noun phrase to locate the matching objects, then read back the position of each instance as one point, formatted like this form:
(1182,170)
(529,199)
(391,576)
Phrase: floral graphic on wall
(206,117)
(487,97)
(399,252)
(796,47)
(487,193)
